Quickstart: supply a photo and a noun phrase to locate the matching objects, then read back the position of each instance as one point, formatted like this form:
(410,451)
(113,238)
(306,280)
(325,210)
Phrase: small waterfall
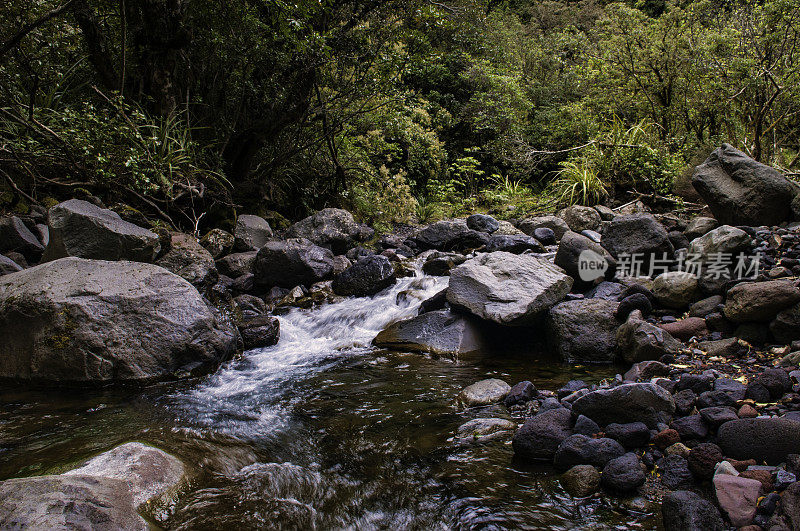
(246,397)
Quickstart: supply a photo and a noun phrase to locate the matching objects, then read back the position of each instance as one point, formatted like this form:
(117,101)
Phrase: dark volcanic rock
(251,233)
(741,191)
(686,511)
(583,331)
(675,473)
(368,276)
(260,331)
(768,439)
(292,262)
(540,436)
(630,435)
(520,393)
(637,233)
(482,223)
(623,474)
(449,236)
(16,237)
(438,332)
(583,450)
(331,228)
(189,260)
(703,458)
(515,244)
(636,402)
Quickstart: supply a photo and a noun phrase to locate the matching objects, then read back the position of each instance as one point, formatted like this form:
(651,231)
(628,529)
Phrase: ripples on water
(320,431)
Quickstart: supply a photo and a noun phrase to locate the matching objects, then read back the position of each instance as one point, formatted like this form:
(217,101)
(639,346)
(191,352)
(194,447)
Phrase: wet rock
(520,393)
(484,393)
(737,497)
(292,262)
(760,301)
(259,331)
(690,427)
(540,436)
(8,265)
(580,218)
(583,331)
(768,439)
(81,229)
(623,474)
(331,228)
(556,224)
(724,239)
(686,511)
(675,473)
(638,340)
(439,264)
(700,226)
(68,502)
(513,244)
(482,223)
(189,260)
(15,236)
(675,289)
(637,234)
(366,277)
(569,251)
(480,431)
(251,233)
(583,450)
(218,242)
(703,460)
(506,288)
(741,191)
(449,236)
(149,473)
(88,321)
(630,435)
(634,301)
(636,402)
(438,332)
(250,305)
(581,480)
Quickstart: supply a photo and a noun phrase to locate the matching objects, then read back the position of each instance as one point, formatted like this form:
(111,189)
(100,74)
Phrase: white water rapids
(244,398)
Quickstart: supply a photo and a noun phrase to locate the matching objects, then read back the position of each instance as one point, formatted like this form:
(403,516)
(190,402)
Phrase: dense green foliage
(398,110)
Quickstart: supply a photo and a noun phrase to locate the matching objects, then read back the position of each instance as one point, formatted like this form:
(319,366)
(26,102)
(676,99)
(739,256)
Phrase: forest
(400,110)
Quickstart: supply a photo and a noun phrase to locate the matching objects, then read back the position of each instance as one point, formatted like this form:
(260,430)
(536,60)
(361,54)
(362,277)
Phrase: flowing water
(322,431)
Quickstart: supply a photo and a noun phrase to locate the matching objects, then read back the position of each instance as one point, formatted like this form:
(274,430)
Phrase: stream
(322,431)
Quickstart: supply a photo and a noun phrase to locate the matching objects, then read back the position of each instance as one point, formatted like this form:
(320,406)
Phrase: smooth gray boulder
(251,233)
(634,402)
(741,191)
(438,332)
(583,331)
(79,228)
(68,502)
(484,393)
(675,289)
(506,288)
(292,262)
(332,228)
(89,321)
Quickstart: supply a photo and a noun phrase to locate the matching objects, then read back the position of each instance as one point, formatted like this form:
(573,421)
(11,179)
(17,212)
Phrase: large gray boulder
(580,218)
(90,321)
(741,191)
(15,236)
(332,228)
(68,502)
(568,256)
(438,332)
(189,260)
(251,233)
(506,288)
(583,331)
(634,402)
(78,228)
(724,239)
(368,276)
(292,262)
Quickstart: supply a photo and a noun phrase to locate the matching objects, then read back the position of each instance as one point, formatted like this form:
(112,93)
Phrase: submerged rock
(480,431)
(581,480)
(484,393)
(89,321)
(506,288)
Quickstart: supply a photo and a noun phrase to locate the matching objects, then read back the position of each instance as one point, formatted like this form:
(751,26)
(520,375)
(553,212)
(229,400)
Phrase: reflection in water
(320,431)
